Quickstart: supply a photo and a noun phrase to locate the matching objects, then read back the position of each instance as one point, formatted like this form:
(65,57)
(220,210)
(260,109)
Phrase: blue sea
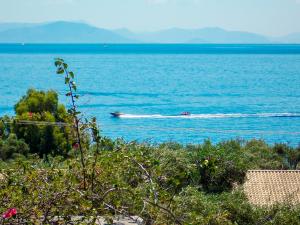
(231,91)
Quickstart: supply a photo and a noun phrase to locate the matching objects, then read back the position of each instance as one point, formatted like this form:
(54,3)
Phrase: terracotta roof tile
(267,187)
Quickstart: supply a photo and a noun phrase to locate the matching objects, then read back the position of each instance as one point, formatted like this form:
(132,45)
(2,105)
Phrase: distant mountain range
(75,32)
(59,32)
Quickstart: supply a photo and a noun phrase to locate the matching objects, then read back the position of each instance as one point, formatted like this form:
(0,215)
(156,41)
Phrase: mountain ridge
(61,32)
(77,32)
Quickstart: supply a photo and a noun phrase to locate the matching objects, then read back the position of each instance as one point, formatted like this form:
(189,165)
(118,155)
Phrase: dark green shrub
(174,169)
(262,156)
(289,155)
(12,146)
(283,215)
(239,210)
(5,126)
(195,207)
(221,166)
(43,139)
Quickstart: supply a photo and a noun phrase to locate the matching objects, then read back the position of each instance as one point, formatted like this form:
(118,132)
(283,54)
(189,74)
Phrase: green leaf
(71,74)
(57,63)
(59,59)
(65,65)
(76,96)
(74,87)
(67,80)
(60,71)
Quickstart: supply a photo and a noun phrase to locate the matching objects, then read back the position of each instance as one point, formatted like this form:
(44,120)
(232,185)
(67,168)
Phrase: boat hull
(116,114)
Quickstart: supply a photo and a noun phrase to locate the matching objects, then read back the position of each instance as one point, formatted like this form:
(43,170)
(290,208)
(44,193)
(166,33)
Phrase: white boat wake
(209,116)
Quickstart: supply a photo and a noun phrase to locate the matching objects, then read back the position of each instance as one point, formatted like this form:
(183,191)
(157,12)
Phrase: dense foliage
(43,139)
(160,184)
(12,146)
(43,181)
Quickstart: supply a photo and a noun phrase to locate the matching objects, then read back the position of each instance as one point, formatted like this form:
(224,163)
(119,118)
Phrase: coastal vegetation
(57,168)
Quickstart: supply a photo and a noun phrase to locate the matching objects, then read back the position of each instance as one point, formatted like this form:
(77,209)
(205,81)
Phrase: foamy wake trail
(210,116)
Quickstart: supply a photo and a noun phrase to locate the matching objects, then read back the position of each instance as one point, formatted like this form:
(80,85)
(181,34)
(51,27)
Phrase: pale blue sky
(270,17)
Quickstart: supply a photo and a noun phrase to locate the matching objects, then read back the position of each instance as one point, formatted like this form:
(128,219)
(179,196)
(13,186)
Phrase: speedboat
(116,114)
(185,114)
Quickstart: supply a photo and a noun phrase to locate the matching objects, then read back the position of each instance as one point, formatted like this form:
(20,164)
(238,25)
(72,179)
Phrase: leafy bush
(5,126)
(261,156)
(11,146)
(129,180)
(195,207)
(43,139)
(290,156)
(221,166)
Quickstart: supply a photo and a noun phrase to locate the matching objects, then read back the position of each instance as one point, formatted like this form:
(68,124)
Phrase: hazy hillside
(61,32)
(289,39)
(9,26)
(205,35)
(217,35)
(71,32)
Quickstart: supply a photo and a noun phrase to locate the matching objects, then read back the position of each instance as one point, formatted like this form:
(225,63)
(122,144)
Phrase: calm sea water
(232,91)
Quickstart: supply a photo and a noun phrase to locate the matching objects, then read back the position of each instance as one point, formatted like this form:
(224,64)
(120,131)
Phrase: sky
(267,17)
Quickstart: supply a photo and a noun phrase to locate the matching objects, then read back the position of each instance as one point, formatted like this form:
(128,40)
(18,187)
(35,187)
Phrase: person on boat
(185,114)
